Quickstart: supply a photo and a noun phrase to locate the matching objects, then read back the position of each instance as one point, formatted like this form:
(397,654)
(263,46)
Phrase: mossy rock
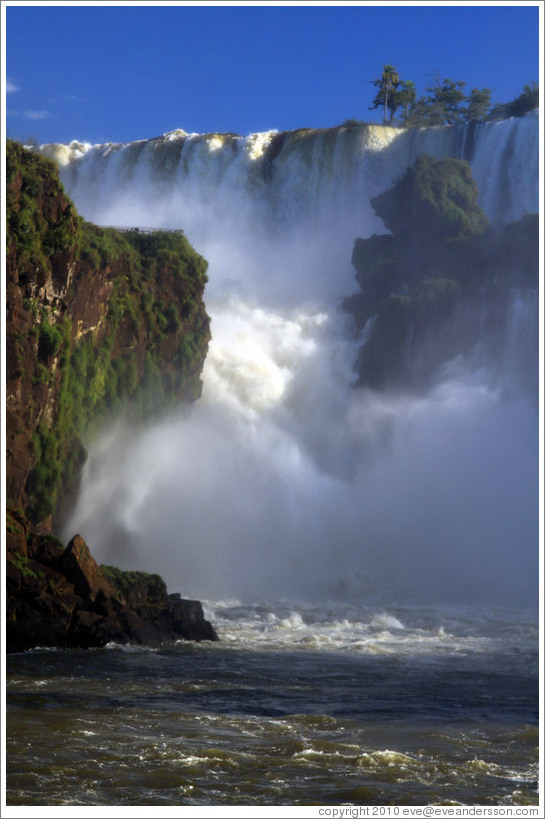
(424,283)
(433,199)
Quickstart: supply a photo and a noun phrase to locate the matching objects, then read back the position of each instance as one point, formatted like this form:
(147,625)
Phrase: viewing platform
(131,229)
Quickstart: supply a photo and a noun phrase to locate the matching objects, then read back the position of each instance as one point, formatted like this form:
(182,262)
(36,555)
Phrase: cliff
(440,283)
(97,322)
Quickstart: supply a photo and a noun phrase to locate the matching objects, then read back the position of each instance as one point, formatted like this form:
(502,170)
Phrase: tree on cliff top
(386,85)
(405,97)
(445,99)
(443,102)
(478,104)
(528,100)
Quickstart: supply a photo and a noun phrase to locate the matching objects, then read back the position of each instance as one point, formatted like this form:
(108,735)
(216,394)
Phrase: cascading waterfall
(285,480)
(505,167)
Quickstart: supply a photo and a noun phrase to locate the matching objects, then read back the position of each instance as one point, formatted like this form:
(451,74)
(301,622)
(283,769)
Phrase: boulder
(62,598)
(188,620)
(83,571)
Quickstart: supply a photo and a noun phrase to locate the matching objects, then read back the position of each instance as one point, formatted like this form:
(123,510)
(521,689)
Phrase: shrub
(49,340)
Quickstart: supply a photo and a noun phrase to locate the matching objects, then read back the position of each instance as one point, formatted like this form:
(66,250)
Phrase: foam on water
(332,627)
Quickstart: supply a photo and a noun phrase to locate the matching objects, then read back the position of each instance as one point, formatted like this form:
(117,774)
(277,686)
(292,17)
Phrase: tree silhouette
(386,85)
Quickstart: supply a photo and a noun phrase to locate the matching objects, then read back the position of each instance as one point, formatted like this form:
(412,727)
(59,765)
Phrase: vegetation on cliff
(441,280)
(42,223)
(436,199)
(98,321)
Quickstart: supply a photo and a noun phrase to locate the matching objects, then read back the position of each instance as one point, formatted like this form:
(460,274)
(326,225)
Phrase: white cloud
(36,114)
(11,86)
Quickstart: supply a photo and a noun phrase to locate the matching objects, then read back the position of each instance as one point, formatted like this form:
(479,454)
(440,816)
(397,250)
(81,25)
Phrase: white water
(355,629)
(285,481)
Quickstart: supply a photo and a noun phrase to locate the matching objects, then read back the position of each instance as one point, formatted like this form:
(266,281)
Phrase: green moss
(54,541)
(434,198)
(15,511)
(44,480)
(119,576)
(141,588)
(21,563)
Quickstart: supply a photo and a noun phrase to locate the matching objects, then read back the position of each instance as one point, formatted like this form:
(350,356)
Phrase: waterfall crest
(285,480)
(287,177)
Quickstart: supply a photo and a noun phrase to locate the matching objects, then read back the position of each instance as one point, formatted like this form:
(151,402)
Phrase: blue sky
(134,71)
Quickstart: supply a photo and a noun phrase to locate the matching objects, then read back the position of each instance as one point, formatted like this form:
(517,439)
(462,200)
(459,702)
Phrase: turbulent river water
(304,705)
(373,556)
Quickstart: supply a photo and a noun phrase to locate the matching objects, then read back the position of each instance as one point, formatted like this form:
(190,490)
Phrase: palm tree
(387,83)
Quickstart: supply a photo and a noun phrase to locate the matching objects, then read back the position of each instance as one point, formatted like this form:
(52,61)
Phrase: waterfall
(285,479)
(506,169)
(325,175)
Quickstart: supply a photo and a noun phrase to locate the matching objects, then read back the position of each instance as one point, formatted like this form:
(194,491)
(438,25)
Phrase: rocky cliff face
(97,322)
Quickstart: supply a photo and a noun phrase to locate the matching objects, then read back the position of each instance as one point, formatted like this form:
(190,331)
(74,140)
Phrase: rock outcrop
(60,597)
(440,284)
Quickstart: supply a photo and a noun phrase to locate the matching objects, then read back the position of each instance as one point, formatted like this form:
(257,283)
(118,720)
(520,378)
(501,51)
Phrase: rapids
(296,705)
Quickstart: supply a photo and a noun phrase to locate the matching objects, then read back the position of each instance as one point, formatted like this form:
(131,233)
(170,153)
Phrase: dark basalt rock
(60,597)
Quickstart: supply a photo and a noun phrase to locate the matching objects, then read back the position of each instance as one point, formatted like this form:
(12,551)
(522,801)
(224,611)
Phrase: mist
(430,498)
(285,481)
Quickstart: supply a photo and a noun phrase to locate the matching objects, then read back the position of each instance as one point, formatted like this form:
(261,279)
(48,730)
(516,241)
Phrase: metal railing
(130,229)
